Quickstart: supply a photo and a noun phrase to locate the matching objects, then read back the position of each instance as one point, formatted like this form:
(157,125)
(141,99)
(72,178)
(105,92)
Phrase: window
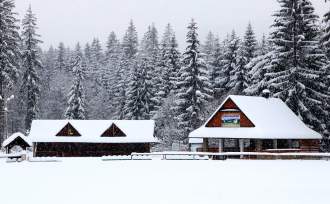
(113,131)
(68,131)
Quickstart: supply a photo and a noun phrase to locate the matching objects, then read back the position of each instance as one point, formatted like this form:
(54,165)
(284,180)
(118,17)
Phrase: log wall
(88,149)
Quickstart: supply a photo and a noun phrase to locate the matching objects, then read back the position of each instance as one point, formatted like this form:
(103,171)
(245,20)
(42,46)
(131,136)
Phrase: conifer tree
(325,40)
(97,60)
(87,53)
(326,34)
(208,50)
(61,61)
(31,62)
(139,104)
(194,86)
(76,101)
(127,61)
(229,63)
(216,70)
(113,48)
(249,44)
(263,47)
(239,79)
(130,42)
(170,66)
(9,56)
(150,52)
(295,71)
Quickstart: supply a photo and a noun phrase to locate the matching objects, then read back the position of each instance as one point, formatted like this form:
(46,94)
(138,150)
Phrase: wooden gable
(113,131)
(229,107)
(19,142)
(68,131)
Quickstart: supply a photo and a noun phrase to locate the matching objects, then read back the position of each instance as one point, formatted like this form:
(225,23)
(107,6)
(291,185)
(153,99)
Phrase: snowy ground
(92,181)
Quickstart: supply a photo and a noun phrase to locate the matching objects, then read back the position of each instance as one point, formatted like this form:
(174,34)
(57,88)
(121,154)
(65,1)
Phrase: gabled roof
(272,119)
(137,131)
(11,138)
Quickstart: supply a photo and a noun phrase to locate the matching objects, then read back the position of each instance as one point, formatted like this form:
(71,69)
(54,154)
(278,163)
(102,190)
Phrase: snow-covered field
(92,181)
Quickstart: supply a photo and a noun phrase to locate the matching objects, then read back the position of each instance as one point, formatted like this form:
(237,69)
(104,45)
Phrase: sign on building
(230,120)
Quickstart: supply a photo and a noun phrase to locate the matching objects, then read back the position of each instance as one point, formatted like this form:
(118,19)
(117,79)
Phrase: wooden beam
(274,144)
(241,147)
(220,145)
(205,144)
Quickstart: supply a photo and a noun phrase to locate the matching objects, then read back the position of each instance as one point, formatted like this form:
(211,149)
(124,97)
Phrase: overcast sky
(71,21)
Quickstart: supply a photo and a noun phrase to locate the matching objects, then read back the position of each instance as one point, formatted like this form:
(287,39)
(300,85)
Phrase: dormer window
(68,131)
(113,131)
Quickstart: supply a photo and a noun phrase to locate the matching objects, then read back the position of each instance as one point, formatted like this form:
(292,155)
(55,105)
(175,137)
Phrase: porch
(259,145)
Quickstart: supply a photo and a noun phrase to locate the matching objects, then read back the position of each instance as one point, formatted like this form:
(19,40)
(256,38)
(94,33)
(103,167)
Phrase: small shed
(16,139)
(253,124)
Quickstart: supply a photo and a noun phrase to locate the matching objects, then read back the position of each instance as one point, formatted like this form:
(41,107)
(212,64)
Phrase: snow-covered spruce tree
(169,66)
(229,63)
(87,53)
(194,86)
(326,34)
(263,46)
(163,66)
(239,78)
(151,53)
(208,47)
(139,103)
(208,50)
(130,41)
(112,48)
(9,55)
(164,49)
(76,101)
(295,74)
(61,61)
(249,45)
(59,87)
(31,62)
(216,70)
(109,75)
(46,76)
(127,60)
(97,60)
(258,67)
(325,40)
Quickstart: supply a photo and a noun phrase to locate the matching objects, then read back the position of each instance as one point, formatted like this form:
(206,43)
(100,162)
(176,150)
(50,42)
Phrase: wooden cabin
(86,138)
(254,124)
(16,140)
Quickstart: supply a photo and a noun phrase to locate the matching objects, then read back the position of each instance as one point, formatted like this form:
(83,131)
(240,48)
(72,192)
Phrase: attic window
(68,131)
(113,131)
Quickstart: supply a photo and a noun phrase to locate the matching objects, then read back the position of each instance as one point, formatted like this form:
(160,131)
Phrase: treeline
(149,78)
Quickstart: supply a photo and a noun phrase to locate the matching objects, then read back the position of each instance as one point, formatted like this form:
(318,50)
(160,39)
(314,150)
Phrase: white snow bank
(90,180)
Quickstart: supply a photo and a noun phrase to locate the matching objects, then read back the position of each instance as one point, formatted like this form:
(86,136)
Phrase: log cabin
(16,140)
(254,124)
(87,138)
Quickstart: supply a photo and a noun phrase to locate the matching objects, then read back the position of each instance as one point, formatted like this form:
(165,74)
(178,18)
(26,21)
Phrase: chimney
(266,93)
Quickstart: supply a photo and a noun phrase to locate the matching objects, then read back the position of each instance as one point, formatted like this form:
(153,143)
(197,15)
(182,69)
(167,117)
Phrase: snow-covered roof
(272,119)
(14,136)
(136,131)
